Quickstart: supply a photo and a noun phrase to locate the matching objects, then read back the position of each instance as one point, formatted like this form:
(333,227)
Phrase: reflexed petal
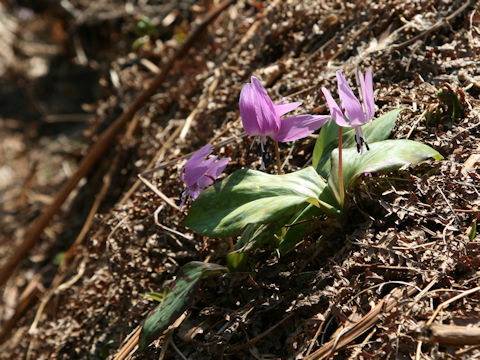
(297,127)
(193,173)
(218,167)
(212,173)
(282,108)
(366,85)
(353,108)
(200,172)
(199,155)
(247,110)
(337,114)
(196,167)
(267,118)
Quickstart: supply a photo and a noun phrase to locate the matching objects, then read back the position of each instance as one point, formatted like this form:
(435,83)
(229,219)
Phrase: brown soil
(68,71)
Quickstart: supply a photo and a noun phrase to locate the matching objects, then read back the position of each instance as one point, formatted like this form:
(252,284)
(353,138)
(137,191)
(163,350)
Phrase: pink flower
(261,117)
(199,173)
(355,116)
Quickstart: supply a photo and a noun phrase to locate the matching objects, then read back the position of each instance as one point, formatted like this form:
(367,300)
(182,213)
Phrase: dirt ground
(69,69)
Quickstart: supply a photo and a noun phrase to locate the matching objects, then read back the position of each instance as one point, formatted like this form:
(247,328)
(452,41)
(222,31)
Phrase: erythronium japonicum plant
(199,173)
(262,118)
(352,113)
(249,199)
(275,209)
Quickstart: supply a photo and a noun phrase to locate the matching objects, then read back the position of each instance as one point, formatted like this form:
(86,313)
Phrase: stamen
(183,198)
(264,158)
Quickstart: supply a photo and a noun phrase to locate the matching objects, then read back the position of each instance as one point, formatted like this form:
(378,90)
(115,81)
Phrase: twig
(158,192)
(186,156)
(365,323)
(29,295)
(440,308)
(129,345)
(417,120)
(157,222)
(451,334)
(166,343)
(462,352)
(201,105)
(433,28)
(317,333)
(98,149)
(28,183)
(358,349)
(177,350)
(449,206)
(449,301)
(68,258)
(158,156)
(350,39)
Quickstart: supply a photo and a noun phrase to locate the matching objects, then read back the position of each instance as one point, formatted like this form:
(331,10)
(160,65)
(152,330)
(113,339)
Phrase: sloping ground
(410,243)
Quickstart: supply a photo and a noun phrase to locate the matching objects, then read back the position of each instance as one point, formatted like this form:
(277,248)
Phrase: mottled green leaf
(250,196)
(376,130)
(383,156)
(177,300)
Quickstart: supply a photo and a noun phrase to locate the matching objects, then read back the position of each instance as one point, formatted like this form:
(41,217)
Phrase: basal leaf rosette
(250,196)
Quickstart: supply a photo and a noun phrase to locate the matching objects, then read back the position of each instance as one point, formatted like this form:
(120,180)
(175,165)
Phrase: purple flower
(353,110)
(198,173)
(261,117)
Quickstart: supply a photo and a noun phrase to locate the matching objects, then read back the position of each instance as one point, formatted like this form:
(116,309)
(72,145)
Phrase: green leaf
(300,223)
(144,26)
(156,295)
(139,42)
(473,232)
(177,300)
(383,156)
(250,196)
(376,130)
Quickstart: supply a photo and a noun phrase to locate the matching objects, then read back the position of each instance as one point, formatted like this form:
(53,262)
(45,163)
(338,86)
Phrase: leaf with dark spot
(177,300)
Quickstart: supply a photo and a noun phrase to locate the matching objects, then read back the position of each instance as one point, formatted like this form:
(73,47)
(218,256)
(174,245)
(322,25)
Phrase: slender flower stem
(277,156)
(340,165)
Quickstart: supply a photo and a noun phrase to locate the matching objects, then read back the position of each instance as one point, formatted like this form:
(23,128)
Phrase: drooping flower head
(261,117)
(352,113)
(198,172)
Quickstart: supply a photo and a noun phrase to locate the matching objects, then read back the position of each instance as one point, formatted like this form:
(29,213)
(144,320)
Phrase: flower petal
(193,173)
(353,108)
(366,85)
(194,168)
(282,108)
(267,118)
(297,127)
(337,114)
(199,155)
(194,191)
(247,110)
(213,172)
